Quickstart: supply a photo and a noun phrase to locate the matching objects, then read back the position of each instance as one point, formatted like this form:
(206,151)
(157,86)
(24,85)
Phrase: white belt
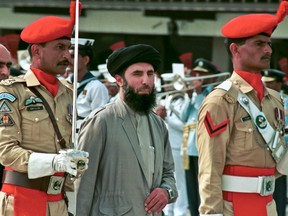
(263,185)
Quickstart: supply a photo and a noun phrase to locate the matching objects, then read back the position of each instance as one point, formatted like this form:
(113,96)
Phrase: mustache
(266,57)
(64,62)
(2,76)
(145,87)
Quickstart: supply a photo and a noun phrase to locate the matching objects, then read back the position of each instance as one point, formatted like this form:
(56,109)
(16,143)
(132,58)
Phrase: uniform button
(250,130)
(36,119)
(57,119)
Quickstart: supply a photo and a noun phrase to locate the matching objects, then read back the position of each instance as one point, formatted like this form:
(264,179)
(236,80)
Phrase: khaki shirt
(239,144)
(25,126)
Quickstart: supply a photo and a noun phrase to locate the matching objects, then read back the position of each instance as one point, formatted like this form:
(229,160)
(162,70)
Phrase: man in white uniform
(91,93)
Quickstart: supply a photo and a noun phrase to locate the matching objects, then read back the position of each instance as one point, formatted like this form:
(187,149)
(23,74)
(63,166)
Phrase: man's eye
(137,74)
(9,64)
(151,73)
(61,47)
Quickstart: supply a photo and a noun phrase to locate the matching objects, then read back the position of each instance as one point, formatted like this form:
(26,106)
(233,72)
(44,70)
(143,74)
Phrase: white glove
(44,164)
(80,159)
(64,163)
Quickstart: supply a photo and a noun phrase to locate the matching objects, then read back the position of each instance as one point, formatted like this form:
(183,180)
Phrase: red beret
(50,28)
(254,24)
(187,59)
(117,45)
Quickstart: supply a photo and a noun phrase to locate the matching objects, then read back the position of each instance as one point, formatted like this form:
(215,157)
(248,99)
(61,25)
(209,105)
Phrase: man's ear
(233,48)
(35,49)
(119,80)
(86,59)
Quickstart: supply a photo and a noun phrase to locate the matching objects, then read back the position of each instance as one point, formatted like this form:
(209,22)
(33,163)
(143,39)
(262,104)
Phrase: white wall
(133,22)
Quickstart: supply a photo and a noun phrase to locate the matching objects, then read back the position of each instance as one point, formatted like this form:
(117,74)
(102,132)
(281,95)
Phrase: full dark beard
(141,103)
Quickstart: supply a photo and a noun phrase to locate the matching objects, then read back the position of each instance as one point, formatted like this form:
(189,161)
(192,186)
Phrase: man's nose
(146,78)
(268,49)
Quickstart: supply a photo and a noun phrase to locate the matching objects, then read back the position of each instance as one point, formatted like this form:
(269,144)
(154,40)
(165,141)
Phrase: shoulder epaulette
(12,80)
(231,91)
(226,85)
(67,84)
(275,94)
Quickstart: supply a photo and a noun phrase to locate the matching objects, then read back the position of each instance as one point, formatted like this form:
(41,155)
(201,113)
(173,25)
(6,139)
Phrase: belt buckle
(268,185)
(55,185)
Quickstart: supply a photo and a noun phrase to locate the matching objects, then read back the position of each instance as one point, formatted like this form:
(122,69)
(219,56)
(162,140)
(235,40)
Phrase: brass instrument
(181,84)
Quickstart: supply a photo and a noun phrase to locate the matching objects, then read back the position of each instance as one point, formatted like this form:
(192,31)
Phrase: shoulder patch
(8,96)
(6,120)
(4,107)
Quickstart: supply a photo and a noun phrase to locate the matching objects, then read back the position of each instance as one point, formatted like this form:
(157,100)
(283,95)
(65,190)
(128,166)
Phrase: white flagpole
(75,81)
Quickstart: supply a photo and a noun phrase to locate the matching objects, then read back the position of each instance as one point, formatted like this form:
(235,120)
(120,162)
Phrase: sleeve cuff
(40,164)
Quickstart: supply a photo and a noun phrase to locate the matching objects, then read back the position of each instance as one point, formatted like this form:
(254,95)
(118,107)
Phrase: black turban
(122,58)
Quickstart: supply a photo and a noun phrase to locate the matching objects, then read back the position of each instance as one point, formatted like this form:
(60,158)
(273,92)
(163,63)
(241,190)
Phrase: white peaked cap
(83,41)
(168,76)
(102,68)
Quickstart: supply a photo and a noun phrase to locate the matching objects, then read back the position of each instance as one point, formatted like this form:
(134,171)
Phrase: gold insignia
(229,99)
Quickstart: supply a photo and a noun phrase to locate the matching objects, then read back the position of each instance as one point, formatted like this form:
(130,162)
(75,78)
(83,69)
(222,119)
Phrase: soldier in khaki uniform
(34,181)
(274,79)
(240,126)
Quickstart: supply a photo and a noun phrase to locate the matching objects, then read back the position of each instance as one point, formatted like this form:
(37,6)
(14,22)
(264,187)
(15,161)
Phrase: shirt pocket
(243,135)
(35,126)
